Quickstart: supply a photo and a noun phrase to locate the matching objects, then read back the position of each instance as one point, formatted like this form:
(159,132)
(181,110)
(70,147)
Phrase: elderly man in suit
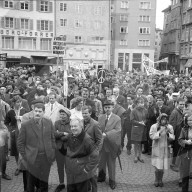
(92,128)
(53,107)
(36,144)
(119,98)
(111,129)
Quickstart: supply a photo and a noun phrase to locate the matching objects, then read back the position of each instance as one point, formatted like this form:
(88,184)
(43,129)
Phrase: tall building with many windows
(158,35)
(85,26)
(26,31)
(132,32)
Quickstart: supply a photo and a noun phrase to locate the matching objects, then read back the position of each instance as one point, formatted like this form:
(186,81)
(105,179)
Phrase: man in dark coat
(161,108)
(92,128)
(36,144)
(176,119)
(81,159)
(111,129)
(172,104)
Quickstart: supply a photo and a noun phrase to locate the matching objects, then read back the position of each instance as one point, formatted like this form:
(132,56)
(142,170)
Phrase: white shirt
(108,116)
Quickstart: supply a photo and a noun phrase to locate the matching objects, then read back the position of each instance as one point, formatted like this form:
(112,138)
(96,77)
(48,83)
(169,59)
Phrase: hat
(66,111)
(108,103)
(37,101)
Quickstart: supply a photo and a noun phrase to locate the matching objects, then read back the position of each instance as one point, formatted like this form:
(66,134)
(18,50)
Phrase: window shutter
(38,5)
(17,5)
(51,26)
(31,5)
(17,23)
(50,7)
(31,24)
(2,22)
(38,25)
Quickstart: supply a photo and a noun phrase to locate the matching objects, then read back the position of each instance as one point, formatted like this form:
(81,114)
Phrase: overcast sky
(161,5)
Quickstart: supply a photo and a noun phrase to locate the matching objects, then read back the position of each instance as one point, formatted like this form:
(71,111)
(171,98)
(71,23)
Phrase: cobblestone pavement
(136,177)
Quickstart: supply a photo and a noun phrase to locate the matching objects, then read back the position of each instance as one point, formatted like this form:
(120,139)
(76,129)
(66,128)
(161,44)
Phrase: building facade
(158,36)
(26,31)
(132,32)
(85,27)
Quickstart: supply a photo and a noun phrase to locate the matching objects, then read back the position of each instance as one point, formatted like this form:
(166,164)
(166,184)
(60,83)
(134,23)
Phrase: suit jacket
(112,141)
(28,139)
(54,114)
(94,131)
(164,109)
(171,105)
(121,100)
(92,104)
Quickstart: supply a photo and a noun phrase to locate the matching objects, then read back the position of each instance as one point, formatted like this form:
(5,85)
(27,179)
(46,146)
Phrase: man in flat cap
(111,128)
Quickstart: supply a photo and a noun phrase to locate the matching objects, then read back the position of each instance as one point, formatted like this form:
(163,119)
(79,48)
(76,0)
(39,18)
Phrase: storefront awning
(188,63)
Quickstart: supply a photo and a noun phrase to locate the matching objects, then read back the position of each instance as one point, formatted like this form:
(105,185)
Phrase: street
(136,177)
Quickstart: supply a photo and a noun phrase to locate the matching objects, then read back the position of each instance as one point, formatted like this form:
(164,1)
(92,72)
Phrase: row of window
(186,34)
(141,42)
(142,30)
(26,24)
(42,5)
(142,5)
(123,17)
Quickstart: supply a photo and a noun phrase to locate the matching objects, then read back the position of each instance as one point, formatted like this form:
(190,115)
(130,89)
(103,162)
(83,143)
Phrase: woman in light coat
(160,133)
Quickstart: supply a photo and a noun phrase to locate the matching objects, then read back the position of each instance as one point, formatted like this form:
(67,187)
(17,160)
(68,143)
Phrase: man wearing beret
(111,128)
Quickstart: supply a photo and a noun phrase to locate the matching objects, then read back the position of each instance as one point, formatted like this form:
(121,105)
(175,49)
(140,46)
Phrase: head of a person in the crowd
(116,91)
(160,101)
(116,85)
(113,100)
(108,107)
(3,90)
(188,92)
(180,103)
(139,102)
(64,115)
(92,95)
(9,88)
(48,83)
(39,110)
(52,97)
(109,92)
(76,93)
(163,119)
(165,83)
(40,86)
(130,99)
(85,93)
(80,84)
(76,126)
(175,96)
(70,89)
(35,102)
(16,101)
(150,99)
(78,103)
(86,112)
(139,91)
(170,90)
(86,83)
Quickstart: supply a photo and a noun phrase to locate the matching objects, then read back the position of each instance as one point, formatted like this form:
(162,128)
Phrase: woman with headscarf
(161,133)
(185,152)
(138,119)
(76,111)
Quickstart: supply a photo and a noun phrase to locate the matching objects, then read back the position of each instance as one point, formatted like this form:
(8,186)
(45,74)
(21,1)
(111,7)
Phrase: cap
(37,101)
(66,111)
(108,103)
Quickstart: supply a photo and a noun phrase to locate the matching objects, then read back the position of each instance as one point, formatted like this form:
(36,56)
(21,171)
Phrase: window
(144,18)
(120,60)
(44,6)
(63,6)
(8,42)
(97,25)
(45,44)
(63,22)
(187,35)
(123,17)
(124,4)
(44,25)
(123,29)
(9,22)
(123,42)
(27,43)
(97,40)
(79,8)
(144,43)
(78,23)
(144,30)
(98,10)
(8,4)
(25,24)
(191,34)
(24,5)
(78,39)
(145,5)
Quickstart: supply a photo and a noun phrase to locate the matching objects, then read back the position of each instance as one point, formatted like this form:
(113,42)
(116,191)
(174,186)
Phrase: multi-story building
(132,32)
(26,29)
(85,26)
(158,33)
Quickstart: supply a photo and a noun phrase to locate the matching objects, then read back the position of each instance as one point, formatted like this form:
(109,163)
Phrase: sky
(161,5)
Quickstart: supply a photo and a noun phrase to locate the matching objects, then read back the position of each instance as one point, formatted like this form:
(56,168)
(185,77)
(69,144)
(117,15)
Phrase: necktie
(106,120)
(51,107)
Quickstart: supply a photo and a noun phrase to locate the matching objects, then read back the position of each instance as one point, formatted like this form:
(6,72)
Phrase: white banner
(65,83)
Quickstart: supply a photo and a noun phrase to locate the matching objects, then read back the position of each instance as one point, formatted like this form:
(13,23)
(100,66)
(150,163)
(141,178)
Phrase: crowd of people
(84,131)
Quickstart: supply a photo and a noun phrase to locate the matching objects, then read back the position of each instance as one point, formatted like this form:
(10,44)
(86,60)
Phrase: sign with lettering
(26,33)
(3,57)
(59,46)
